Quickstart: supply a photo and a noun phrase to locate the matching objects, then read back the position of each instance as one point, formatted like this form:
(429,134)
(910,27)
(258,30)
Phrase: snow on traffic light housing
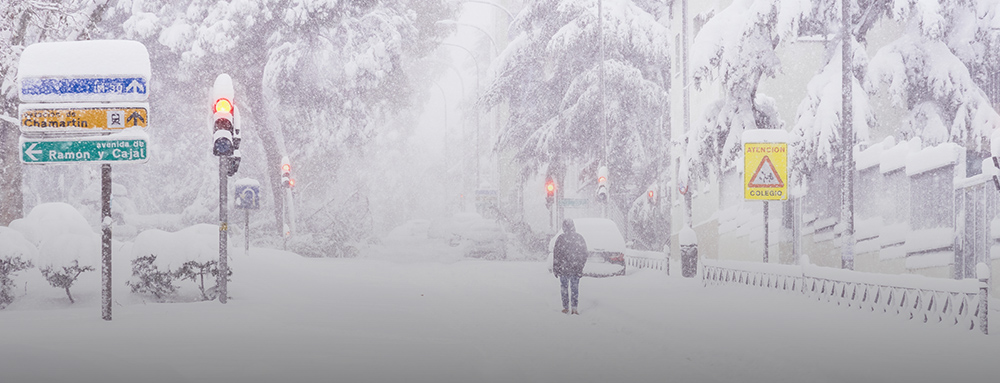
(225,133)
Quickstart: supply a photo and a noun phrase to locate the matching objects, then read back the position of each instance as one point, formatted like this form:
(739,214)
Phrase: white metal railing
(639,262)
(963,303)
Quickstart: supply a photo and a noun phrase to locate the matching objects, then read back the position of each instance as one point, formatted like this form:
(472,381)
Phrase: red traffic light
(651,194)
(286,168)
(223,105)
(291,182)
(550,188)
(601,179)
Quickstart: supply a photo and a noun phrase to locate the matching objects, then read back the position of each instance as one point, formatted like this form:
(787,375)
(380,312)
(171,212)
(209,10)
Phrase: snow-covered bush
(63,258)
(67,246)
(160,258)
(149,279)
(16,254)
(196,272)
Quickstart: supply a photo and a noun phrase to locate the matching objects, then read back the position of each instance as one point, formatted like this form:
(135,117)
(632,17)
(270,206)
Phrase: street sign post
(247,198)
(107,88)
(101,151)
(65,118)
(85,102)
(575,203)
(765,170)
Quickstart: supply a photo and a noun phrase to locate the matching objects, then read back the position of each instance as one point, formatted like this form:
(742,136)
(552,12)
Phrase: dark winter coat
(570,252)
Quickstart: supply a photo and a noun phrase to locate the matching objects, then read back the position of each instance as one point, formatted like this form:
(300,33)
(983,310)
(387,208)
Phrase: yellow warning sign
(47,118)
(765,171)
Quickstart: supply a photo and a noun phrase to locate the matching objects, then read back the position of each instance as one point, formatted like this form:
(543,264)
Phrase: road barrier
(962,303)
(647,263)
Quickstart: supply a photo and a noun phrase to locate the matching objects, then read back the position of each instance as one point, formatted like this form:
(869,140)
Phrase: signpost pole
(246,234)
(106,241)
(766,232)
(223,228)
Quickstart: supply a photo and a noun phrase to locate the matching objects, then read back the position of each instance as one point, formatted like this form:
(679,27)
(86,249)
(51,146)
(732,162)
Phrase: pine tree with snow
(735,49)
(928,70)
(550,76)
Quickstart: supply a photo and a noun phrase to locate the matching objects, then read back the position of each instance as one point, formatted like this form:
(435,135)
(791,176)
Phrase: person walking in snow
(568,258)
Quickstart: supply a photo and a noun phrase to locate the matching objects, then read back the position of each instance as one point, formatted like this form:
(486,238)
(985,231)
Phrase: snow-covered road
(389,317)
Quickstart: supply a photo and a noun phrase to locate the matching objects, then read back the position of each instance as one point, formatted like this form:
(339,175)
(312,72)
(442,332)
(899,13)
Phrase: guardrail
(962,302)
(647,263)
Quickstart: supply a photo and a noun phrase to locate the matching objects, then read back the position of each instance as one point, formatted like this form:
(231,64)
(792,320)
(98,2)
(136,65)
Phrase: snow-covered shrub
(160,258)
(16,254)
(196,272)
(63,258)
(149,279)
(49,220)
(67,246)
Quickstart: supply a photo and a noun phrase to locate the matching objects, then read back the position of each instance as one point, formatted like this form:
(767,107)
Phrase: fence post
(983,274)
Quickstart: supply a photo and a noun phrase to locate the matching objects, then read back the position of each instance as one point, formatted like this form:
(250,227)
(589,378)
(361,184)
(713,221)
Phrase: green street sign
(102,151)
(574,202)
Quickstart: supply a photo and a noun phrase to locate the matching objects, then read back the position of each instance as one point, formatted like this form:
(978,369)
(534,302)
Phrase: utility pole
(847,81)
(688,221)
(604,115)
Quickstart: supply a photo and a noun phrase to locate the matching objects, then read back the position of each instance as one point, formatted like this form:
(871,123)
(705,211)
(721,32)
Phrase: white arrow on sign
(135,86)
(31,151)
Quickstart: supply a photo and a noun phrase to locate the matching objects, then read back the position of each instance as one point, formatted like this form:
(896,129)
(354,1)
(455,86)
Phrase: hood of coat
(568,226)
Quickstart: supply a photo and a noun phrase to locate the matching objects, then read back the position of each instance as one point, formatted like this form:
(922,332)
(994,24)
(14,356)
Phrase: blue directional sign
(115,86)
(247,196)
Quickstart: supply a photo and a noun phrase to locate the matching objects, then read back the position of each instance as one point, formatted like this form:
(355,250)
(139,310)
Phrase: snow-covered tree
(316,80)
(928,70)
(736,49)
(818,131)
(550,75)
(23,23)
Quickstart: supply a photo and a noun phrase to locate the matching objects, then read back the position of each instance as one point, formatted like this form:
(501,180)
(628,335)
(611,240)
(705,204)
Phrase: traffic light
(224,117)
(651,195)
(602,184)
(550,191)
(286,173)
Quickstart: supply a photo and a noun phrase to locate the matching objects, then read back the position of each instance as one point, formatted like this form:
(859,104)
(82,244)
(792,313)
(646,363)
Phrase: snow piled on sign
(98,58)
(778,136)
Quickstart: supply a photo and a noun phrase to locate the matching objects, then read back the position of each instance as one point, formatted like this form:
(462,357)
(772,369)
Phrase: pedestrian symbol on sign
(766,176)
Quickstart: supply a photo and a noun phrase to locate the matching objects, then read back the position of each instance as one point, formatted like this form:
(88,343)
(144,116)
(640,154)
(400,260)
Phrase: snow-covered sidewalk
(381,318)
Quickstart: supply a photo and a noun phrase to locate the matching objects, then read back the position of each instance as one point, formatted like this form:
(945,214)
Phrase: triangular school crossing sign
(765,172)
(766,176)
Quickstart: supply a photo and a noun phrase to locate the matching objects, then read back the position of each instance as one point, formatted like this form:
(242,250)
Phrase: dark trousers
(572,282)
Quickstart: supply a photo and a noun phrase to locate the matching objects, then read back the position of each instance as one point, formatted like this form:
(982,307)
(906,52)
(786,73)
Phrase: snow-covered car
(476,236)
(605,247)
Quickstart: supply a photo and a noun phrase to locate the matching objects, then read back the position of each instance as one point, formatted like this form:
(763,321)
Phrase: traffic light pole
(223,228)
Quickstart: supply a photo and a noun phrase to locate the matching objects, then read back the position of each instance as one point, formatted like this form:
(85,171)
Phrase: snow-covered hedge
(160,258)
(16,254)
(66,244)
